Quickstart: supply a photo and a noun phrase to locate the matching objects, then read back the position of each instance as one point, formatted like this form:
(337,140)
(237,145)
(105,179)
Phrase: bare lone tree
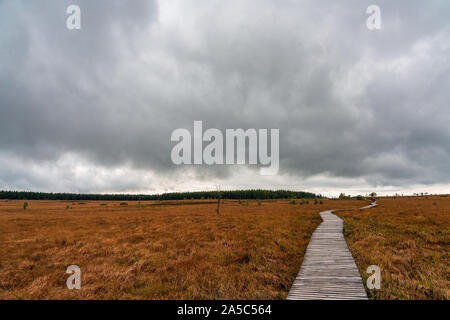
(219,197)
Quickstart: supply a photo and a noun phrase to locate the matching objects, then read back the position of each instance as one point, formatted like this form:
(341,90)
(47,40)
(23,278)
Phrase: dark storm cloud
(57,90)
(349,102)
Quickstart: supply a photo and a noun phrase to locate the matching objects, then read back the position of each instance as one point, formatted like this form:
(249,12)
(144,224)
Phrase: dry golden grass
(408,238)
(165,250)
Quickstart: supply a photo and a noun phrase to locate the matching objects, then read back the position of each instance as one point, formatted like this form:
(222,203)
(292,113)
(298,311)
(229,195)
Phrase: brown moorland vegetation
(408,238)
(161,250)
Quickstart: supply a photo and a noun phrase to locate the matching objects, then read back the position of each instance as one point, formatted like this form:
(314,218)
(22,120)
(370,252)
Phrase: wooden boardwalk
(328,271)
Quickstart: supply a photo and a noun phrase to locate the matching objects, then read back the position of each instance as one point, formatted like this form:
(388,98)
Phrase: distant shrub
(321,202)
(123,204)
(103,204)
(67,207)
(343,196)
(293,201)
(243,203)
(359,197)
(25,205)
(315,201)
(259,203)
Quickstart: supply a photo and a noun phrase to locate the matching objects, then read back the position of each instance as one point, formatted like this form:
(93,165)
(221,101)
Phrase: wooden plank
(328,270)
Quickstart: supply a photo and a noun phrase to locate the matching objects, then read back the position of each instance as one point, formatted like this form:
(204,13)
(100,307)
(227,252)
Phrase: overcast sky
(92,110)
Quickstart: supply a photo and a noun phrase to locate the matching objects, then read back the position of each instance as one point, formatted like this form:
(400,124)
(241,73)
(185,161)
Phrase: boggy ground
(161,250)
(408,238)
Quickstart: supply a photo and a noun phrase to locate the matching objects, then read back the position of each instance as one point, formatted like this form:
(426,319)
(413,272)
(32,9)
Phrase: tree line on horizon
(233,194)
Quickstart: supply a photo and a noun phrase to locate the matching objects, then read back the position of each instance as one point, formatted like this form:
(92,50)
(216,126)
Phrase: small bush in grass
(123,204)
(25,205)
(259,203)
(103,204)
(321,202)
(293,201)
(315,201)
(67,207)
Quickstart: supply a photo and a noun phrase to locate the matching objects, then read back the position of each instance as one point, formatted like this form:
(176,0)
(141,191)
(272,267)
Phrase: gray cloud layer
(350,103)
